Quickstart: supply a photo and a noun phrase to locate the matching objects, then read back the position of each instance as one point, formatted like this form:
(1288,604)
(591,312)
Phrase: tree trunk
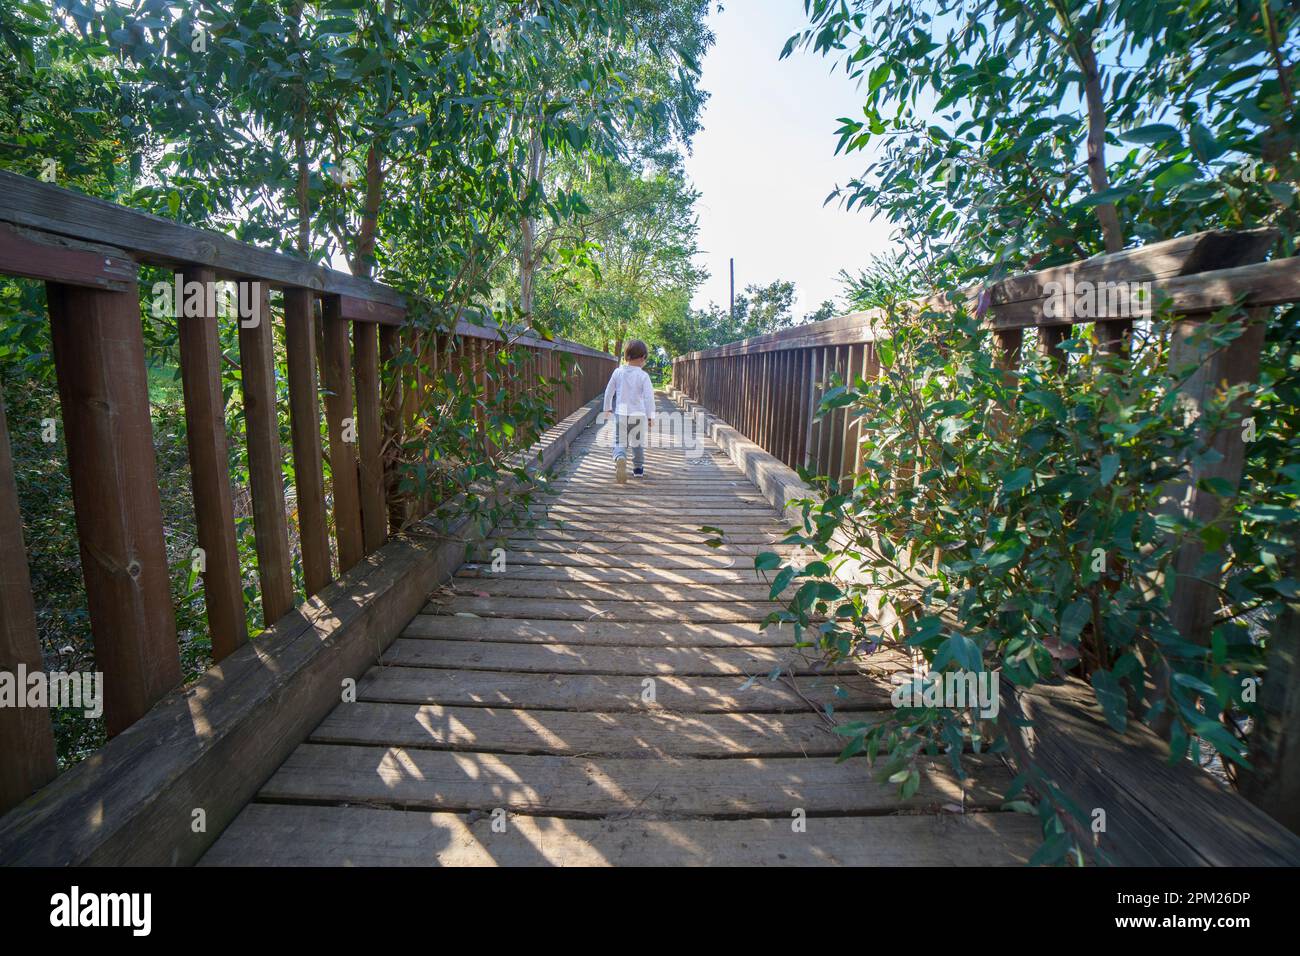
(1107,215)
(363,263)
(528,230)
(300,146)
(304,208)
(1112,336)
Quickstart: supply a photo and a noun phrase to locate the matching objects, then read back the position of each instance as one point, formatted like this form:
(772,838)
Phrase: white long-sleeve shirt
(630,392)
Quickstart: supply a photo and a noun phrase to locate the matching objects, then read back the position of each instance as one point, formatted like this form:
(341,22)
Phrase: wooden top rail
(94,243)
(1176,268)
(157,241)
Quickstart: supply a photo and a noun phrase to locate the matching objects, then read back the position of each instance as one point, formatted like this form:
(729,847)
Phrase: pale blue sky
(765,161)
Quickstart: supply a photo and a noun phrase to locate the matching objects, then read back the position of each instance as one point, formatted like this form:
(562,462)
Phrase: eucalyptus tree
(1021,133)
(635,74)
(640,233)
(309,113)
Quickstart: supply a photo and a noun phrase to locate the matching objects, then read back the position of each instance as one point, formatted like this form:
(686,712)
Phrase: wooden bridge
(596,700)
(591,686)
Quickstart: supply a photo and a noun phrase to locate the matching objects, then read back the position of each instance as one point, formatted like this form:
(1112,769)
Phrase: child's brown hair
(635,350)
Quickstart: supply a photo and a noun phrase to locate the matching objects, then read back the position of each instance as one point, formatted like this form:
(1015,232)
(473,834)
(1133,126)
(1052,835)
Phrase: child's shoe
(620,470)
(638,472)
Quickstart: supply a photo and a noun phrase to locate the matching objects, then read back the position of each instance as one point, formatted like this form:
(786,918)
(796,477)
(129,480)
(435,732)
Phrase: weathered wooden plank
(661,473)
(1230,282)
(628,524)
(608,497)
(664,539)
(1017,301)
(356,309)
(619,633)
(214,509)
(741,562)
(610,610)
(271,835)
(556,658)
(26,734)
(652,483)
(1273,781)
(265,458)
(573,572)
(104,393)
(1156,814)
(418,685)
(304,419)
(506,585)
(36,255)
(573,786)
(1207,370)
(596,550)
(502,730)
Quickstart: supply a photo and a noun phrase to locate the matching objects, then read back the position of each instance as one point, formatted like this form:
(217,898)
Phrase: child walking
(630,397)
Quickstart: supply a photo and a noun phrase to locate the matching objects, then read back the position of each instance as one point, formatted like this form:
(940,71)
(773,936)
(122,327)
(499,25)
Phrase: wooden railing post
(374,508)
(265,475)
(1009,342)
(1050,338)
(26,734)
(341,420)
(1192,609)
(104,391)
(390,347)
(214,509)
(304,419)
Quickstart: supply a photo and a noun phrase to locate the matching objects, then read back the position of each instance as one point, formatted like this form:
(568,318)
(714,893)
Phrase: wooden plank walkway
(605,700)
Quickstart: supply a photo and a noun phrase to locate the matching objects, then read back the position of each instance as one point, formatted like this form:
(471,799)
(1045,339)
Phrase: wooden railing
(769,388)
(87,252)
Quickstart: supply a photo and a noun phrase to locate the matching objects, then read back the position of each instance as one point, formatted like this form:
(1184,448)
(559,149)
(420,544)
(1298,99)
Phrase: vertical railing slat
(26,733)
(1050,338)
(265,458)
(374,508)
(214,509)
(104,391)
(341,421)
(853,357)
(304,419)
(390,347)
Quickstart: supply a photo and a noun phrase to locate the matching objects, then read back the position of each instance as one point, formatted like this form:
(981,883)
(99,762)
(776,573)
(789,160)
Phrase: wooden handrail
(1178,270)
(88,252)
(769,387)
(1187,278)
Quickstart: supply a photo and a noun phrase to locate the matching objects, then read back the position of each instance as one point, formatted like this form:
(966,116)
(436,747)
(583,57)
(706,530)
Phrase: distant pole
(733,289)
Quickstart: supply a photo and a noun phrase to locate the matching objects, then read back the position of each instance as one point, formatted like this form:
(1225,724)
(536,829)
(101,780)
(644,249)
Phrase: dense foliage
(1024,522)
(406,140)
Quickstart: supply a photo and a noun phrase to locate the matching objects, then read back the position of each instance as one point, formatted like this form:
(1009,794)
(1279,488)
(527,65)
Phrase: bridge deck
(511,722)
